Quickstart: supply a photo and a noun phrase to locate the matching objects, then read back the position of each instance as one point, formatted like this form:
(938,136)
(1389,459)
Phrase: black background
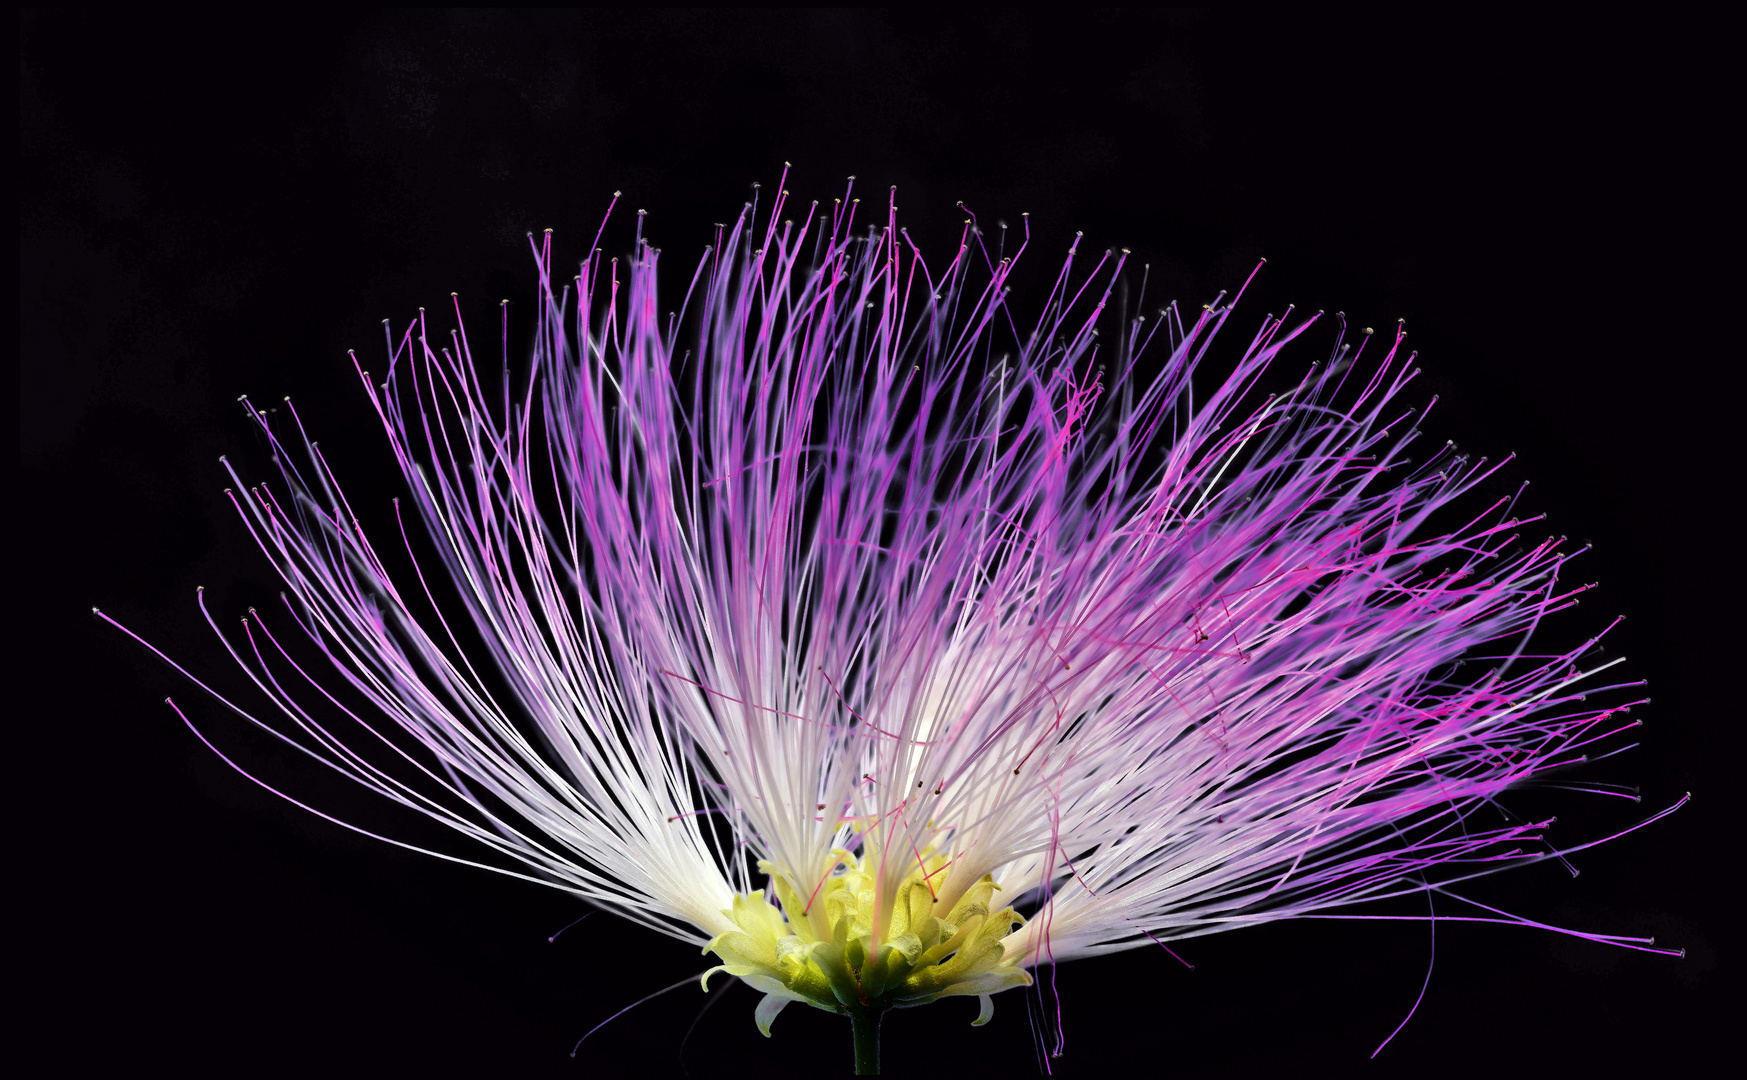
(224,205)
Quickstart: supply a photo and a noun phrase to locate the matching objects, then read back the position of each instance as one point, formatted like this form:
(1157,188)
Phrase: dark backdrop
(226,204)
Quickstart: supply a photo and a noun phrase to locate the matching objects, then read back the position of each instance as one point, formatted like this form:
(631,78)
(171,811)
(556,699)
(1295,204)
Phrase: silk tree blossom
(836,617)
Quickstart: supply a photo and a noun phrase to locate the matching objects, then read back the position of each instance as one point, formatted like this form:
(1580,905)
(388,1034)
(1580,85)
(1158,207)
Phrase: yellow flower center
(824,951)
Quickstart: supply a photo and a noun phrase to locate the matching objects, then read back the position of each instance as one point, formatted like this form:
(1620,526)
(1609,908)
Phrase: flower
(838,572)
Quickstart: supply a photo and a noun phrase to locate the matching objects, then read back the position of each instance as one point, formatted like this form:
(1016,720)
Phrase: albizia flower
(832,620)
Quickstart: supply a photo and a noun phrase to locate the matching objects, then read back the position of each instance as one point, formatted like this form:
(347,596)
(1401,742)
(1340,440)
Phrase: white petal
(767,1010)
(985,1011)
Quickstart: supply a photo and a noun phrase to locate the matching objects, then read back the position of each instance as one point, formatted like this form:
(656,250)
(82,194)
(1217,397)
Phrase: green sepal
(819,950)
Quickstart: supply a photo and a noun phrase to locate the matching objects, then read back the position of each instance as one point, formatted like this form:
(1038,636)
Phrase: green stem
(864,1025)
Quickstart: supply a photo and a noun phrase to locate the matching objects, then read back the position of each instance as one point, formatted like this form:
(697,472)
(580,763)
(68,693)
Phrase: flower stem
(864,1025)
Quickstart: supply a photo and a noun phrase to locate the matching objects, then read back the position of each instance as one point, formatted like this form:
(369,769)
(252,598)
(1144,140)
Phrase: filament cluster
(836,562)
